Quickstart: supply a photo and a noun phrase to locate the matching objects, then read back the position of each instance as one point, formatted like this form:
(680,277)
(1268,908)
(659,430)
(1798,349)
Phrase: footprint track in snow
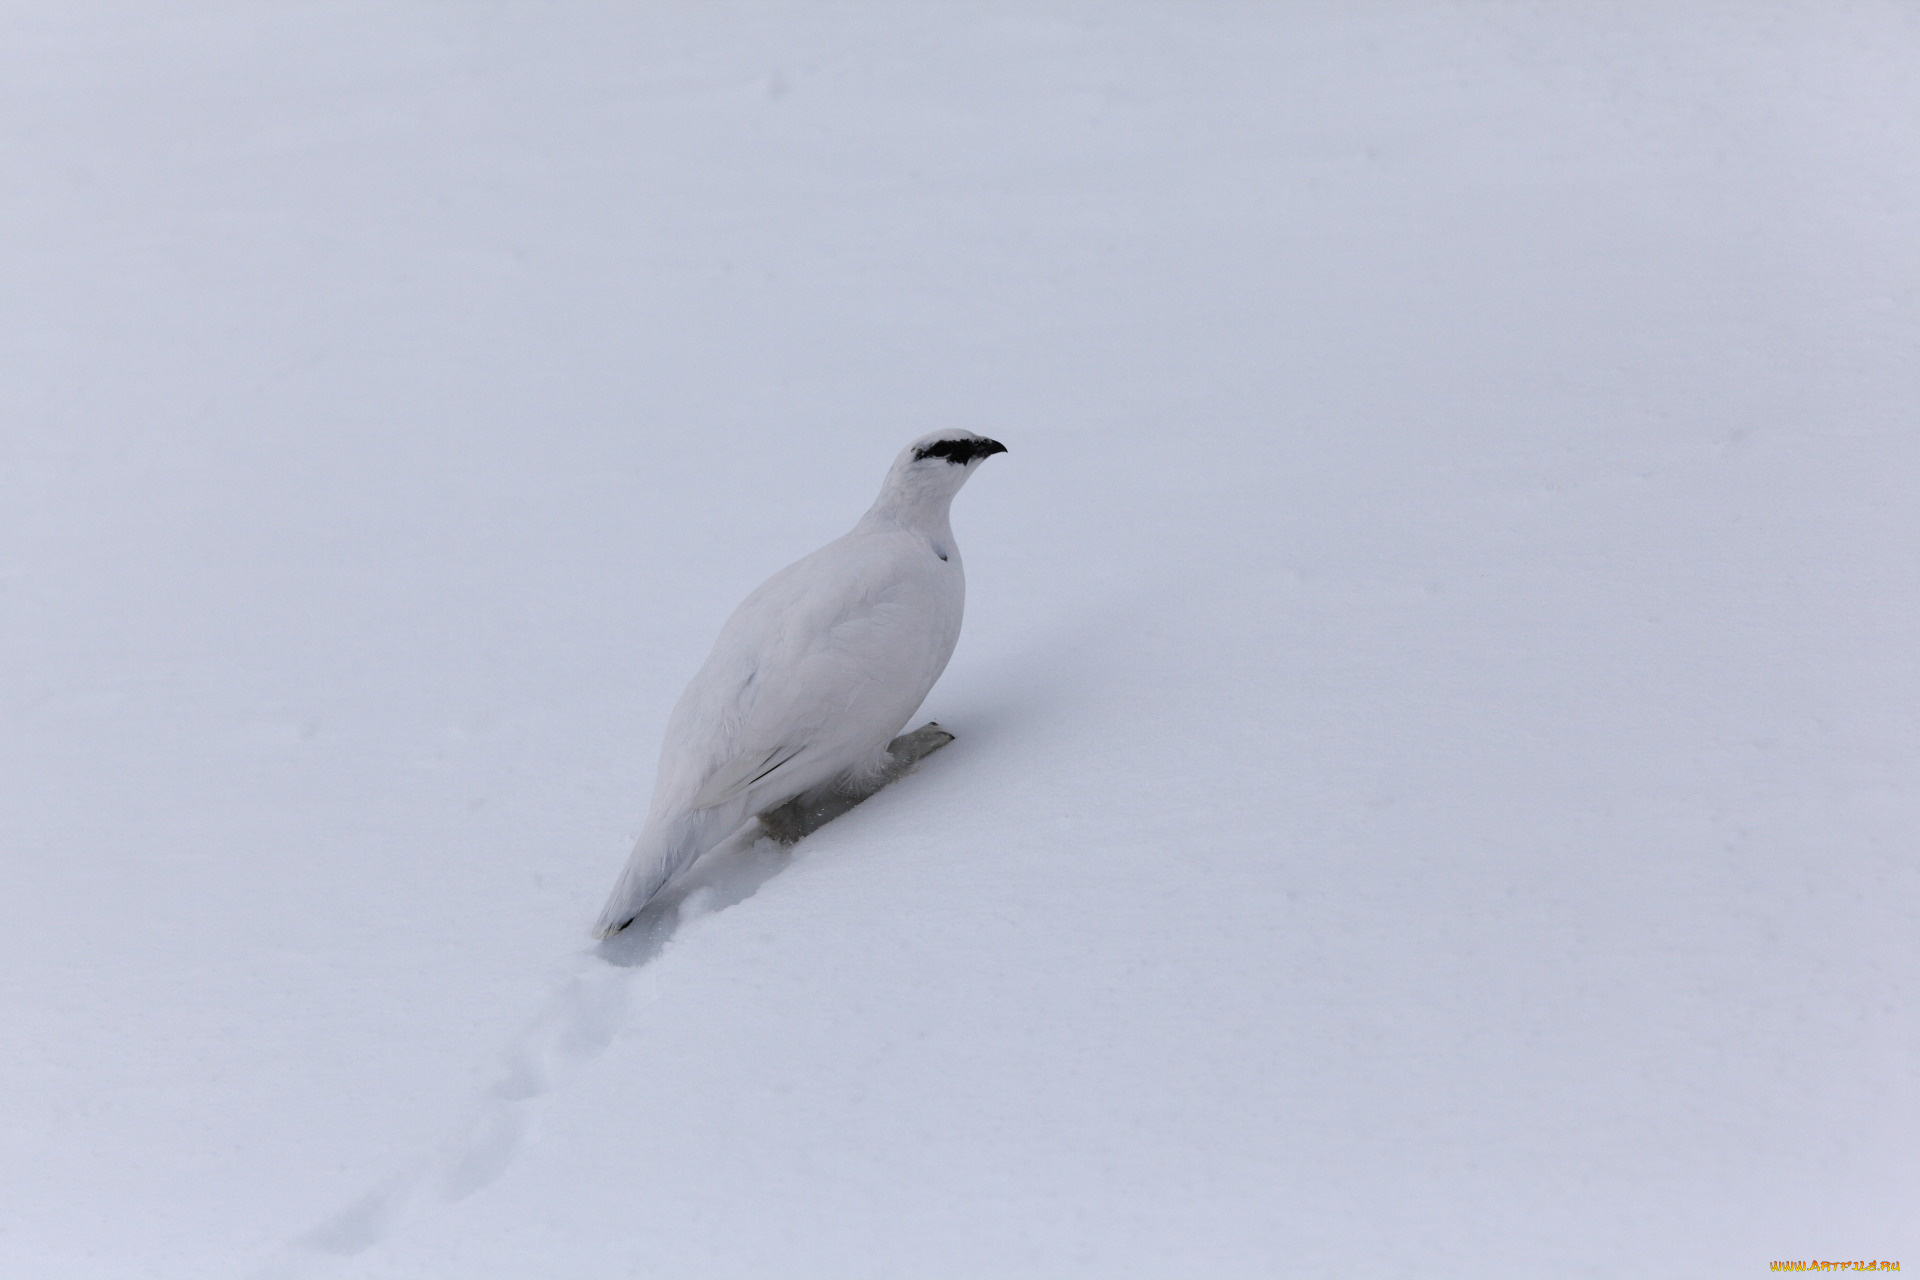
(586,1008)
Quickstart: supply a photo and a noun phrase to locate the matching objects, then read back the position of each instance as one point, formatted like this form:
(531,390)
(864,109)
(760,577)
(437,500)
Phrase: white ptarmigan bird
(811,677)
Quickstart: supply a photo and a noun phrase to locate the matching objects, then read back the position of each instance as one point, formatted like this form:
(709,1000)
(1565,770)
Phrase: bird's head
(942,461)
(931,470)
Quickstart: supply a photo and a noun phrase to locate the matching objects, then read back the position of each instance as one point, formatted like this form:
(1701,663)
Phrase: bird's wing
(741,772)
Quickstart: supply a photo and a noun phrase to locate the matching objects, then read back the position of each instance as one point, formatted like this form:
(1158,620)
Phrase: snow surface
(1435,790)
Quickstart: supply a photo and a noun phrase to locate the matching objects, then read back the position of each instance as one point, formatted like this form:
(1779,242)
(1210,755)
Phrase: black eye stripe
(959,452)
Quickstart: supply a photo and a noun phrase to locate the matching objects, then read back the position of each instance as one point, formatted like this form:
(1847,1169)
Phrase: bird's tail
(662,852)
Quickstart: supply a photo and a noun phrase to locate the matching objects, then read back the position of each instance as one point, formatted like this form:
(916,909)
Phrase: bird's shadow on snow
(733,874)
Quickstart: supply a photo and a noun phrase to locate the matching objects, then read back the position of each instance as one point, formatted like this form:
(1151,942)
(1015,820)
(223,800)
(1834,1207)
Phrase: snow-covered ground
(1436,781)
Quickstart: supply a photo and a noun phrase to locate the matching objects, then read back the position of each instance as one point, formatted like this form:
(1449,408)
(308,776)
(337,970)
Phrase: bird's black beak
(987,448)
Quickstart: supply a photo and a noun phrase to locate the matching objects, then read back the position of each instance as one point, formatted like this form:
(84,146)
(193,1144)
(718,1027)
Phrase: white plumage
(813,675)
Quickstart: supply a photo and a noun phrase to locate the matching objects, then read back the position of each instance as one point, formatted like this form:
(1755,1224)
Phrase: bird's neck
(921,510)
